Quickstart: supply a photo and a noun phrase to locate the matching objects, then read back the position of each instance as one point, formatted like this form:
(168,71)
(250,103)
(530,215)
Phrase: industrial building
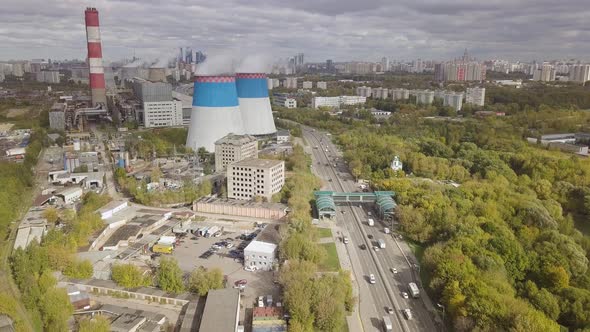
(252,90)
(284,100)
(249,178)
(475,96)
(260,255)
(222,311)
(283,136)
(216,111)
(158,107)
(232,148)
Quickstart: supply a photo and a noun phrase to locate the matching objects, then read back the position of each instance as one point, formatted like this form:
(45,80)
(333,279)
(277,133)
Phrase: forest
(499,219)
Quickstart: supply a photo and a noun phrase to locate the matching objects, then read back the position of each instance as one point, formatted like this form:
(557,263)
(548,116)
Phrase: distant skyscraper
(200,57)
(329,65)
(299,60)
(385,64)
(188,57)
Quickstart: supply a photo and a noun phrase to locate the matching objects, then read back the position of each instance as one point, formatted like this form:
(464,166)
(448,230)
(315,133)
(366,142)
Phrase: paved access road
(327,163)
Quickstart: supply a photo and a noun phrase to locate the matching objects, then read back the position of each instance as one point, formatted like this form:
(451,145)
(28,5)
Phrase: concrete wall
(239,210)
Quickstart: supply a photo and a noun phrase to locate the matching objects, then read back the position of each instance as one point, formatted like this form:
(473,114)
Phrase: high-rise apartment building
(454,100)
(475,96)
(545,73)
(452,71)
(249,178)
(233,148)
(579,73)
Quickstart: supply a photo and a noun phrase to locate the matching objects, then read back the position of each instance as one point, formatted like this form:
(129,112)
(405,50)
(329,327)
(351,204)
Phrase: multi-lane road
(374,299)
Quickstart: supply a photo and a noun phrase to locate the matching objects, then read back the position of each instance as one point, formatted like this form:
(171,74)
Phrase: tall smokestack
(97,85)
(215,112)
(254,103)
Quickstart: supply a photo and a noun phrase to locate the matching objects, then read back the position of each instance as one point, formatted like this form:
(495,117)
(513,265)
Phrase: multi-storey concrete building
(284,100)
(424,97)
(48,76)
(364,91)
(579,73)
(290,83)
(233,148)
(400,94)
(475,96)
(336,102)
(454,100)
(307,85)
(322,85)
(162,114)
(249,178)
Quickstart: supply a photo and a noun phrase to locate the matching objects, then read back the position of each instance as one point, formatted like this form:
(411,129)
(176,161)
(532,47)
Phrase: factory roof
(259,163)
(70,191)
(233,139)
(112,205)
(123,233)
(259,246)
(221,310)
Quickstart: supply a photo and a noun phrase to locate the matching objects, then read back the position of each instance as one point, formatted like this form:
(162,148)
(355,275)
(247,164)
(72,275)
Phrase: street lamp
(443,310)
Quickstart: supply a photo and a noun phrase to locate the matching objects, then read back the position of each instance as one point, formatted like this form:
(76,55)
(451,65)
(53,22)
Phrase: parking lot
(192,252)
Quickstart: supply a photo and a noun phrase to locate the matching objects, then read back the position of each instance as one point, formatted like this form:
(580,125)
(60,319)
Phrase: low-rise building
(336,102)
(283,136)
(284,100)
(71,195)
(322,85)
(112,208)
(222,311)
(260,255)
(232,148)
(307,85)
(249,178)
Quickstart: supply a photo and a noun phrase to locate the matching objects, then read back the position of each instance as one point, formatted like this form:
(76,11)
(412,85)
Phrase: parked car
(372,278)
(269,300)
(229,245)
(394,270)
(261,301)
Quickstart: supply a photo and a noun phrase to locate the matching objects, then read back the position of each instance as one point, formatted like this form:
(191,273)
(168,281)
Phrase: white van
(371,222)
(386,230)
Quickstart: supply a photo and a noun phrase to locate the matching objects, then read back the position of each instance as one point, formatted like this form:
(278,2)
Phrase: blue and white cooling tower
(254,103)
(216,111)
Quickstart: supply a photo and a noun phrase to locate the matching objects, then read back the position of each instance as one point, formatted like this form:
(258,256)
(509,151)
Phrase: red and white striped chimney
(97,85)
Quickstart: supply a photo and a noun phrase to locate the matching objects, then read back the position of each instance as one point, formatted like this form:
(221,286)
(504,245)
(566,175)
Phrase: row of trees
(169,277)
(502,250)
(314,302)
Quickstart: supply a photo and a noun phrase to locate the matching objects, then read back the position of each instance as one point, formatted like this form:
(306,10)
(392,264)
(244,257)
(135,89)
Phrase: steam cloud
(224,63)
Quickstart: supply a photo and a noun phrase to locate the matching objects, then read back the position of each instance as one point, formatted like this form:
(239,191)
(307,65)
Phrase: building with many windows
(162,114)
(232,148)
(336,102)
(284,100)
(579,73)
(475,96)
(249,178)
(322,85)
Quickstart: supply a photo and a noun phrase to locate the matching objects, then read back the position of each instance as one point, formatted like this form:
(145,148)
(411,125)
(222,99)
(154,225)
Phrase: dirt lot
(258,283)
(16,112)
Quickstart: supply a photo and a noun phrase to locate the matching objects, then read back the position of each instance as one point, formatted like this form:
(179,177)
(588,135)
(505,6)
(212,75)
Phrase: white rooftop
(259,246)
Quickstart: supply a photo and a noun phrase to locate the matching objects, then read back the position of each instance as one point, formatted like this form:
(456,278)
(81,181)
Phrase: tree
(202,280)
(128,276)
(51,215)
(56,309)
(79,269)
(98,323)
(169,276)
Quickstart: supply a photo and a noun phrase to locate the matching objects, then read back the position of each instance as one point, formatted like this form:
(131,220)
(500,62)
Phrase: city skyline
(338,30)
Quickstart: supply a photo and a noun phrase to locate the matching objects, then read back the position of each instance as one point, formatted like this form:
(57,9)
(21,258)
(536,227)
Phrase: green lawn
(324,232)
(330,263)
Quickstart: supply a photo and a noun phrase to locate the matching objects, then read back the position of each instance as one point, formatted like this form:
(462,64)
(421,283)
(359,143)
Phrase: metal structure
(215,112)
(326,201)
(252,89)
(97,82)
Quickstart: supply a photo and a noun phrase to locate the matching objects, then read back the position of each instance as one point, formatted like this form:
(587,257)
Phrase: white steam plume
(255,63)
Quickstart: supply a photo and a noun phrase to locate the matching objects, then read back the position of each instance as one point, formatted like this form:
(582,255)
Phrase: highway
(386,292)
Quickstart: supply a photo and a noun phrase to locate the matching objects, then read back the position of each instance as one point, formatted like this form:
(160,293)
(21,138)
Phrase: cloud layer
(328,29)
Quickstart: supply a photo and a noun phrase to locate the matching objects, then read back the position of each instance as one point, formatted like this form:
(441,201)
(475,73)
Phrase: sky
(342,30)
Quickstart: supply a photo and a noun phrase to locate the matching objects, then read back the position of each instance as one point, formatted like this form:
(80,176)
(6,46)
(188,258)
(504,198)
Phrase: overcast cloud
(330,29)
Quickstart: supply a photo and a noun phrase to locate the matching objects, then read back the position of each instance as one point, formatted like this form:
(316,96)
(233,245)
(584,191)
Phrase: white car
(376,248)
(250,268)
(394,270)
(261,301)
(371,278)
(405,295)
(408,314)
(229,245)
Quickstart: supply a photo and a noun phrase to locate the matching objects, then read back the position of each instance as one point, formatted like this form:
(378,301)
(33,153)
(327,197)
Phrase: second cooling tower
(254,103)
(215,112)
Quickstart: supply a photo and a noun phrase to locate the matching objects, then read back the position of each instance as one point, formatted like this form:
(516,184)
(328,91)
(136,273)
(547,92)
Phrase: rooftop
(111,205)
(221,310)
(259,246)
(233,139)
(260,163)
(283,132)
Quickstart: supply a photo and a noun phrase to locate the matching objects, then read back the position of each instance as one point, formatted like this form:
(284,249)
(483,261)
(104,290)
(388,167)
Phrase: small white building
(71,195)
(255,177)
(112,208)
(396,164)
(260,255)
(322,85)
(283,136)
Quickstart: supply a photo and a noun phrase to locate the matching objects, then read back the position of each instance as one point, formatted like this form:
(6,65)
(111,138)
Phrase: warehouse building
(255,177)
(222,311)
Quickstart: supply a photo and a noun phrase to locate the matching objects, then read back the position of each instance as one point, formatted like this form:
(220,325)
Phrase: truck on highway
(387,326)
(381,243)
(371,222)
(414,290)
